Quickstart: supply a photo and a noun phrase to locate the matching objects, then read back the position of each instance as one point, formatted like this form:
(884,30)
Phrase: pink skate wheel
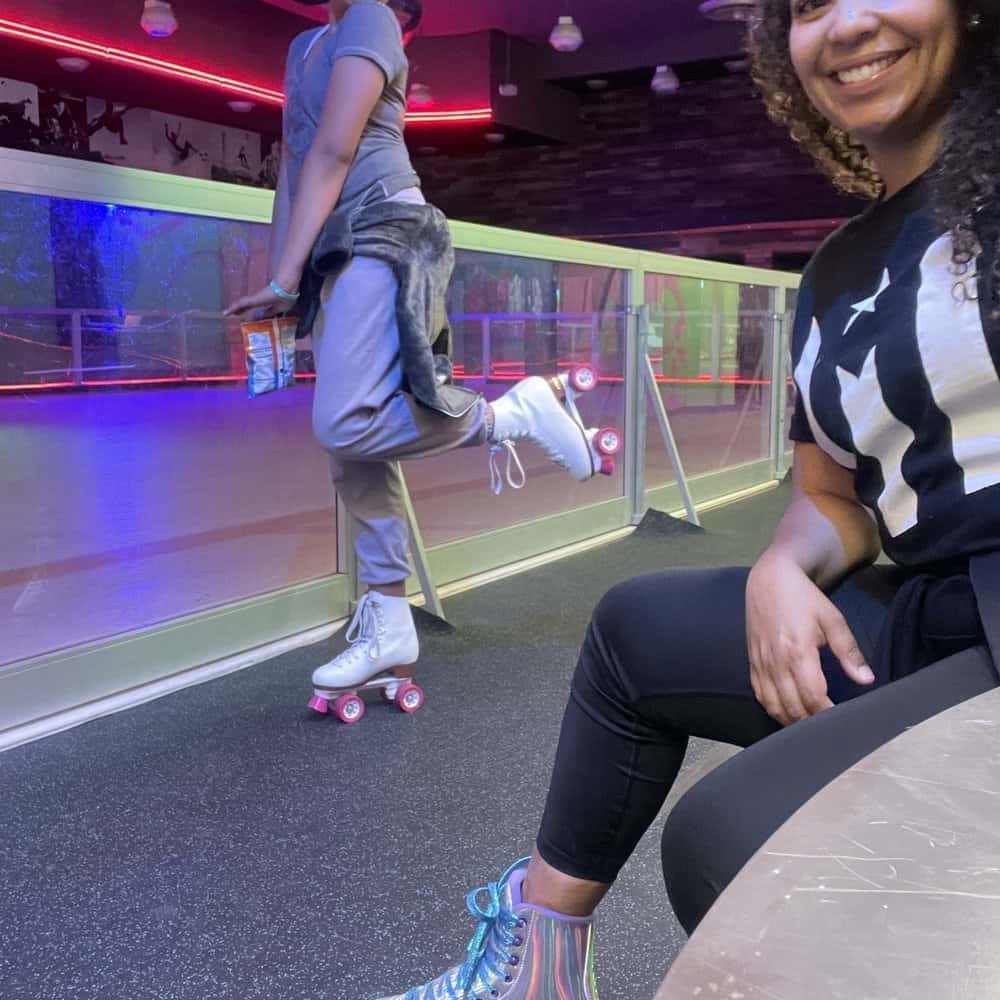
(349,708)
(409,698)
(318,704)
(608,441)
(583,378)
(607,467)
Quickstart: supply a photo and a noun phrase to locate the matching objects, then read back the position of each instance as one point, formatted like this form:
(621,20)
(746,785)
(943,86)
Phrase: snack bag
(270,351)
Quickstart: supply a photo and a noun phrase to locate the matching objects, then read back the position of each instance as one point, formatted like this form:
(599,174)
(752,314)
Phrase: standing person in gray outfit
(367,261)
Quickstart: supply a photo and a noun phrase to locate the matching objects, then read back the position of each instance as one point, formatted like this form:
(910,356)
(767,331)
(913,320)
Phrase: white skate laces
(497,477)
(382,652)
(367,629)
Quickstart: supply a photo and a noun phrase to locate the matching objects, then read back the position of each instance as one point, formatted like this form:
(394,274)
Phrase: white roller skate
(519,952)
(543,411)
(382,655)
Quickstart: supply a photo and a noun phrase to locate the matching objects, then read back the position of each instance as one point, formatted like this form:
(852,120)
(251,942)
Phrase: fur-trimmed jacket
(415,241)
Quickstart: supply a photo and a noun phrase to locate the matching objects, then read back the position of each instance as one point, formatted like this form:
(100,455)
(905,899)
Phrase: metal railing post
(660,411)
(76,339)
(636,334)
(347,560)
(779,375)
(487,362)
(182,351)
(418,553)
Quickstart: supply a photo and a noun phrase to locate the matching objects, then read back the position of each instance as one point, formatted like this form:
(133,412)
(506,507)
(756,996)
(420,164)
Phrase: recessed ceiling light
(495,137)
(566,35)
(597,84)
(420,95)
(158,19)
(728,10)
(665,81)
(73,64)
(241,107)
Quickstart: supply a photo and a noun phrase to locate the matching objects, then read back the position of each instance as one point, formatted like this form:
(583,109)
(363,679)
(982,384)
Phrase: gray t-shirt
(369,29)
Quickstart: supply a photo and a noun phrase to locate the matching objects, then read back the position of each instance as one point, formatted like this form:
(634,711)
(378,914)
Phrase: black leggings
(665,659)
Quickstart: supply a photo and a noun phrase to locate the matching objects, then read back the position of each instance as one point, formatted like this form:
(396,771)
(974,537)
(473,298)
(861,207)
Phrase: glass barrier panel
(710,346)
(139,481)
(513,317)
(791,301)
(142,484)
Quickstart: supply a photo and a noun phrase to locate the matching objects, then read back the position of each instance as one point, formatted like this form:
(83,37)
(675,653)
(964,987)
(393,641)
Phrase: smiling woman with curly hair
(814,657)
(966,174)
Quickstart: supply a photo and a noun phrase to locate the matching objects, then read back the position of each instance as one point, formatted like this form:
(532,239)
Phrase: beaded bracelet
(281,293)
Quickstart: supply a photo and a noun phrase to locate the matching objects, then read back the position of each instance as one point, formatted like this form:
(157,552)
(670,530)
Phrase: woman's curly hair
(966,174)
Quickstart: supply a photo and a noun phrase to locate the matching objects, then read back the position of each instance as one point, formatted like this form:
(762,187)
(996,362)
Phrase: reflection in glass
(138,481)
(710,345)
(513,317)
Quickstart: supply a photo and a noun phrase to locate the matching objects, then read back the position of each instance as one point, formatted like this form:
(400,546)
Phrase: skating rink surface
(223,843)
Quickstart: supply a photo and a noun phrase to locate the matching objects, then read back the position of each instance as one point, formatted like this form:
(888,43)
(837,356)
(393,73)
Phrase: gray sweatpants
(365,421)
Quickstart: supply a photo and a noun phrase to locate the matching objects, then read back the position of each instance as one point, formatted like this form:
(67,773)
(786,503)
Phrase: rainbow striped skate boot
(519,951)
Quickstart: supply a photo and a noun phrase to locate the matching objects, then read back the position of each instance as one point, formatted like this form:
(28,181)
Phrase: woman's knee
(336,431)
(610,649)
(615,611)
(648,634)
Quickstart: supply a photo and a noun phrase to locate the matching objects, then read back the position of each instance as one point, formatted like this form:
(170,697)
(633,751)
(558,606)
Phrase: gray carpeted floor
(225,844)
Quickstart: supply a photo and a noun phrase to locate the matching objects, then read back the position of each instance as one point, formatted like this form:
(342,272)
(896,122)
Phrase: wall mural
(109,131)
(20,125)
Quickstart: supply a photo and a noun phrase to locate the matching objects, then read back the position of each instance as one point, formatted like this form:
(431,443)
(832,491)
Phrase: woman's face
(879,69)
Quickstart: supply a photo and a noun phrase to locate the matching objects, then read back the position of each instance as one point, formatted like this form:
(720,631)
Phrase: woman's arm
(355,87)
(356,84)
(824,534)
(281,214)
(825,531)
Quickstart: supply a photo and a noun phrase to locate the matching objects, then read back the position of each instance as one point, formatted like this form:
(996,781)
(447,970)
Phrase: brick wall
(649,167)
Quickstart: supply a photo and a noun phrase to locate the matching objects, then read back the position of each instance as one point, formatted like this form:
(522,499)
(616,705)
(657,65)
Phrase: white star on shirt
(868,305)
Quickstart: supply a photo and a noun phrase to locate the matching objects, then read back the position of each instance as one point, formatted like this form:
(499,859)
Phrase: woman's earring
(975,20)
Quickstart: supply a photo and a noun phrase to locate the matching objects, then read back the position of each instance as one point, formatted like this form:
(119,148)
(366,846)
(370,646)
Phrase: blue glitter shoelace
(488,954)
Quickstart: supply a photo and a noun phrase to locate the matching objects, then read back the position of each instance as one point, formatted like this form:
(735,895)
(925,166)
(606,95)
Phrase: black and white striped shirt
(897,368)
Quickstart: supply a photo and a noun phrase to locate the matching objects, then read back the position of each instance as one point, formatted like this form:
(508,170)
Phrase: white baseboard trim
(124,700)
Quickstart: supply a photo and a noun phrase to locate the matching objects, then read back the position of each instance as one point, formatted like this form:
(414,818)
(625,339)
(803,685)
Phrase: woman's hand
(263,299)
(789,619)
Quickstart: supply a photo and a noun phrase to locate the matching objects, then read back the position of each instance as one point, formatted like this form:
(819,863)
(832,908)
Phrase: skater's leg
(665,659)
(361,411)
(382,635)
(372,493)
(720,823)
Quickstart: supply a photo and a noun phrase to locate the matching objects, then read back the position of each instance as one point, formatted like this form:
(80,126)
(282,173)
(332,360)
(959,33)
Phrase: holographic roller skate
(519,951)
